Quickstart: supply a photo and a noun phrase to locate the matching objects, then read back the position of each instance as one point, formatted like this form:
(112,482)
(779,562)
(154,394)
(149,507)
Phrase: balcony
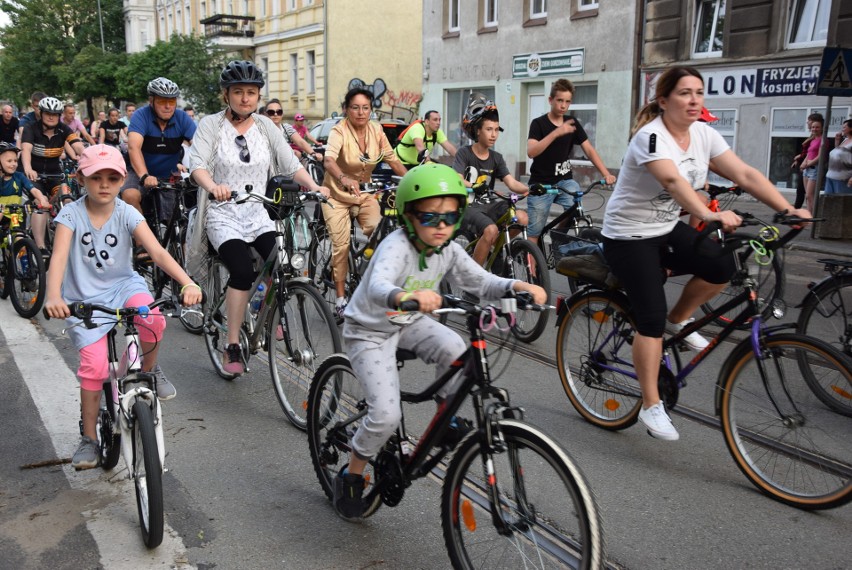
(229,31)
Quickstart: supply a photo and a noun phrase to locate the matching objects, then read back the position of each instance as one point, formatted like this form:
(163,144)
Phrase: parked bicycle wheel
(780,432)
(528,264)
(594,331)
(109,433)
(335,397)
(770,286)
(827,313)
(301,334)
(551,518)
(148,475)
(26,277)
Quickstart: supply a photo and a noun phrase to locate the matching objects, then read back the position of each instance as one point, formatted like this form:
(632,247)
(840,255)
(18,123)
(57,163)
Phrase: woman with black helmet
(232,149)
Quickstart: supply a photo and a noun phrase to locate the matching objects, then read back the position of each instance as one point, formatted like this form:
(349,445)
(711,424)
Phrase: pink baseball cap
(101,157)
(299,117)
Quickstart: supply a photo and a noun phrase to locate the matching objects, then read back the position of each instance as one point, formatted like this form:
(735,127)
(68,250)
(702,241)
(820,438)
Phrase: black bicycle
(22,267)
(826,310)
(512,497)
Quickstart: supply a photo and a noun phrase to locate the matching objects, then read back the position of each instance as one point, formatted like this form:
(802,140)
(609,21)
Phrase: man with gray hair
(8,125)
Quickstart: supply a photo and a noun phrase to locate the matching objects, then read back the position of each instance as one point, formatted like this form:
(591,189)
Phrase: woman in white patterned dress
(233,149)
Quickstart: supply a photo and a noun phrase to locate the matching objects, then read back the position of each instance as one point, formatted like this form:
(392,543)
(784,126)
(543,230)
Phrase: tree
(99,79)
(189,61)
(45,36)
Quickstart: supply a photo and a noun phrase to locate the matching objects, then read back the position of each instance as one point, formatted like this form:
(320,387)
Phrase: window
(202,7)
(291,5)
(456,103)
(294,75)
(311,57)
(538,9)
(588,4)
(584,107)
(276,7)
(788,131)
(489,13)
(726,125)
(264,64)
(246,8)
(452,15)
(809,22)
(709,26)
(262,8)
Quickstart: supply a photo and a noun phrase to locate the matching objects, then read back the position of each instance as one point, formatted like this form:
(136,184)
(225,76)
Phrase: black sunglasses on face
(434,219)
(245,156)
(278,112)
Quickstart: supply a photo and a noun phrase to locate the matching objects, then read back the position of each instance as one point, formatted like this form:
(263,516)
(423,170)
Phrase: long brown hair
(665,85)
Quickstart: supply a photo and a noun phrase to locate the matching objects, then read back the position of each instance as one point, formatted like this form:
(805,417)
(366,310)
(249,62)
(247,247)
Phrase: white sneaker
(693,340)
(340,307)
(657,422)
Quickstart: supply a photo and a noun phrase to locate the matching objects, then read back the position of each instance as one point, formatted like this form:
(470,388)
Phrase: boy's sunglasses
(433,219)
(271,112)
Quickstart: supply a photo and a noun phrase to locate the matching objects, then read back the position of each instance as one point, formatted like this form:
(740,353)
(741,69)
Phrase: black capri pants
(237,257)
(640,265)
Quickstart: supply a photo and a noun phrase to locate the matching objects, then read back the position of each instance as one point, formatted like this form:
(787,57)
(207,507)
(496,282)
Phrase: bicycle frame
(505,223)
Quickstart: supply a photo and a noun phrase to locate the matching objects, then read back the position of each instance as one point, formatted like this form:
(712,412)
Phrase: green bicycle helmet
(428,181)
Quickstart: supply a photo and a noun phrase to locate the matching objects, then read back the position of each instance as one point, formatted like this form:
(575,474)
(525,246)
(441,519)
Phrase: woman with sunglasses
(231,150)
(355,147)
(297,142)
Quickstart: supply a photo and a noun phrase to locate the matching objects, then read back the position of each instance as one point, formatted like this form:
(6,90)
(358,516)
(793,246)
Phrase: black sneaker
(348,493)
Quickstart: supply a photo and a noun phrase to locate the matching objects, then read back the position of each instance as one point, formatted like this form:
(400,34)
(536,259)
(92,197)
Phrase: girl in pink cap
(92,262)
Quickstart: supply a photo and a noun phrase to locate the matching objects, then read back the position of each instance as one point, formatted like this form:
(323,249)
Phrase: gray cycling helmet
(478,108)
(8,147)
(51,105)
(162,87)
(241,73)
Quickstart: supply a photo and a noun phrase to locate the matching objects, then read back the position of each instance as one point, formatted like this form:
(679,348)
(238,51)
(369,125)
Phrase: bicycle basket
(589,268)
(285,192)
(567,244)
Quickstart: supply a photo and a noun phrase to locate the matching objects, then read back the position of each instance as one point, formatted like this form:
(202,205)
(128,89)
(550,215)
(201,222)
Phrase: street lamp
(101,24)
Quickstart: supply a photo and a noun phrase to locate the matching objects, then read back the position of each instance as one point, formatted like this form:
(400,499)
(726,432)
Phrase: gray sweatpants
(373,358)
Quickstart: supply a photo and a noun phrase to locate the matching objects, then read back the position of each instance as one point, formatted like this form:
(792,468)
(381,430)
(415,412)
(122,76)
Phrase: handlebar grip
(410,305)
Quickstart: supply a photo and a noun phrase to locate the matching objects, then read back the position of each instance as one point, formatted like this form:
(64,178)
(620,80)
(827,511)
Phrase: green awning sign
(563,62)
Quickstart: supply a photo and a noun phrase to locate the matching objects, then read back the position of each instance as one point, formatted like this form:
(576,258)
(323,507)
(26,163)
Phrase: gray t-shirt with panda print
(100,264)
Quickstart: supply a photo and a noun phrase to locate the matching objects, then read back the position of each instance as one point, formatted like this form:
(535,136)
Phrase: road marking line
(56,393)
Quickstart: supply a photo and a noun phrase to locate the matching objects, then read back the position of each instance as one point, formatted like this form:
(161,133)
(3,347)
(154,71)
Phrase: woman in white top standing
(667,161)
(232,149)
(838,179)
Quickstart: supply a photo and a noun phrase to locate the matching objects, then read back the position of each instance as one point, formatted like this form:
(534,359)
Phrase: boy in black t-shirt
(483,166)
(550,141)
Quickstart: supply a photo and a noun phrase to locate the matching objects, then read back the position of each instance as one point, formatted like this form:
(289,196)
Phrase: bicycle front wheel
(594,357)
(528,264)
(319,265)
(827,313)
(26,278)
(148,475)
(770,288)
(336,398)
(215,328)
(781,434)
(549,511)
(301,334)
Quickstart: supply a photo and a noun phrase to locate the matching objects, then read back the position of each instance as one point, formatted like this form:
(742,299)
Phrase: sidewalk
(803,242)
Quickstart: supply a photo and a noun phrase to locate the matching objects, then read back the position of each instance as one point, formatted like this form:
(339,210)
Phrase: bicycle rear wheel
(528,264)
(770,288)
(781,434)
(147,475)
(26,278)
(550,512)
(301,334)
(594,359)
(336,396)
(827,313)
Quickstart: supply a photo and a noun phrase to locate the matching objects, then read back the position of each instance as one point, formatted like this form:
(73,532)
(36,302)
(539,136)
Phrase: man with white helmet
(155,141)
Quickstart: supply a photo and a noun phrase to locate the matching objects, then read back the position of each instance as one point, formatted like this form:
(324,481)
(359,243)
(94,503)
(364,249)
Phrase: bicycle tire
(27,282)
(336,394)
(530,324)
(319,265)
(109,432)
(826,313)
(799,455)
(309,335)
(549,527)
(770,288)
(192,322)
(147,475)
(4,273)
(215,320)
(596,329)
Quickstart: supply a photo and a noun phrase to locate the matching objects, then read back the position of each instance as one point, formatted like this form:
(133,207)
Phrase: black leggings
(640,265)
(237,257)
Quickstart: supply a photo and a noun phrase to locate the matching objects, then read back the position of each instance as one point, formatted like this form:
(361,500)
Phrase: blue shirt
(14,186)
(162,149)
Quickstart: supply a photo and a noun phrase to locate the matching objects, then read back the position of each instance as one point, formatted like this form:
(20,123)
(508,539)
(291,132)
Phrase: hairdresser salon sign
(768,82)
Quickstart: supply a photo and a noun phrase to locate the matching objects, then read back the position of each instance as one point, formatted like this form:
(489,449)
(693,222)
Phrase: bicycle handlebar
(732,242)
(453,304)
(85,311)
(542,189)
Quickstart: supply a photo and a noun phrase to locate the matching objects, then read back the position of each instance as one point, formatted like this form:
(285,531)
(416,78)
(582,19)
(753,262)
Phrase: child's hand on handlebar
(539,294)
(191,294)
(427,299)
(56,308)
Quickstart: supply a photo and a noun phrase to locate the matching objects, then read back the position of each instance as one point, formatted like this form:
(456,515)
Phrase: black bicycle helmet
(8,147)
(51,105)
(241,72)
(162,87)
(478,108)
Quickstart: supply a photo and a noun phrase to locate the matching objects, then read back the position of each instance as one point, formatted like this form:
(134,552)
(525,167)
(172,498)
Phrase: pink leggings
(94,358)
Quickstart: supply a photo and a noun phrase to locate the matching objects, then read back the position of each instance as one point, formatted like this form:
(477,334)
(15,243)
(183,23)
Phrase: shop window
(788,131)
(584,106)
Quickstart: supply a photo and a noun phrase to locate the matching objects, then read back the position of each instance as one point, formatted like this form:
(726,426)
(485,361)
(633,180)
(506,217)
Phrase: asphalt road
(241,492)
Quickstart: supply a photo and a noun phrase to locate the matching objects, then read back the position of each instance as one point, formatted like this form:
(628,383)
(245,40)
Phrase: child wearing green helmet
(410,263)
